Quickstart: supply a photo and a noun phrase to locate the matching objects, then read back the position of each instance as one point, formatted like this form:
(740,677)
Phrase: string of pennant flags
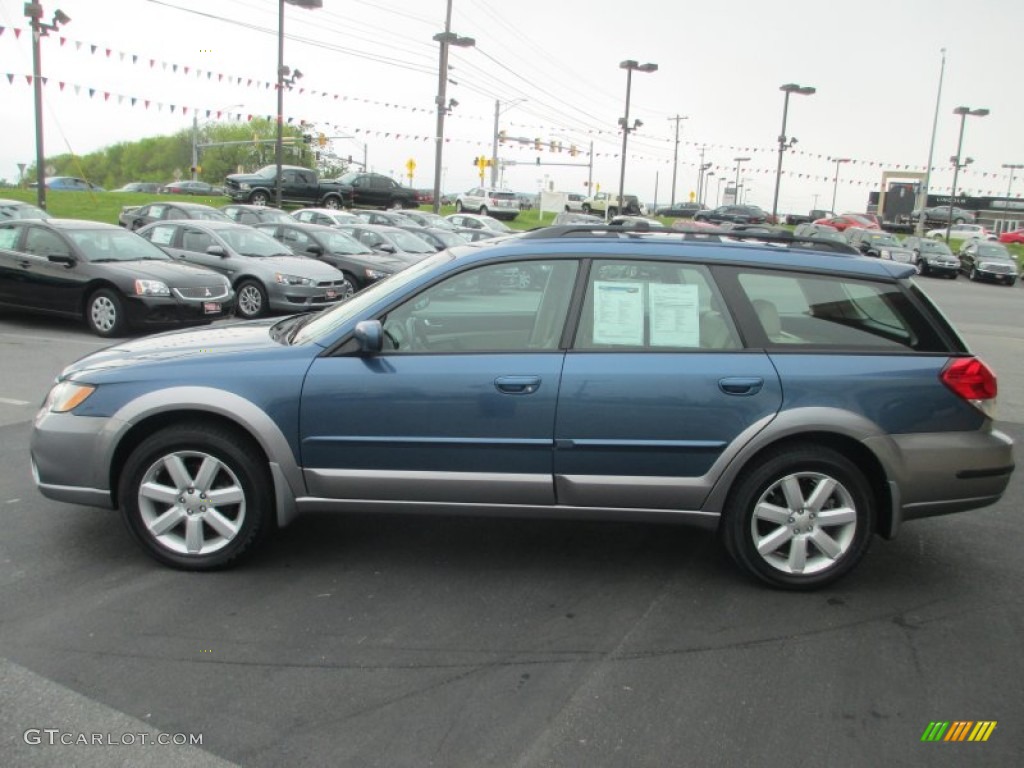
(256,83)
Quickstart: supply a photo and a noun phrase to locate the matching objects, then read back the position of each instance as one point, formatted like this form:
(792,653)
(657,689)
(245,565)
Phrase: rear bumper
(944,472)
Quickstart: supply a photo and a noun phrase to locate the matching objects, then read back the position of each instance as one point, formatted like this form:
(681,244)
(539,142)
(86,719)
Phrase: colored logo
(959,730)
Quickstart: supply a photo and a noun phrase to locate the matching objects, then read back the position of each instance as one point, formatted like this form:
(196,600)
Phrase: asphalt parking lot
(362,641)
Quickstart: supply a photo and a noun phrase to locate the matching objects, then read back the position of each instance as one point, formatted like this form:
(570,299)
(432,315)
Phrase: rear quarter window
(803,311)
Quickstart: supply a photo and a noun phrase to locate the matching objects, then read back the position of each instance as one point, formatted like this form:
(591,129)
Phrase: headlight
(151,288)
(67,395)
(243,185)
(375,274)
(284,279)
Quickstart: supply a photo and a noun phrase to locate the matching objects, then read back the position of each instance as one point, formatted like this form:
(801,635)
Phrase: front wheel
(921,267)
(104,313)
(586,208)
(958,221)
(973,275)
(802,518)
(483,210)
(458,206)
(196,497)
(334,203)
(259,197)
(251,300)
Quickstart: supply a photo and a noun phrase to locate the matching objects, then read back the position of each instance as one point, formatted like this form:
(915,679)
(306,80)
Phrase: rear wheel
(104,313)
(586,208)
(973,274)
(483,210)
(196,497)
(801,518)
(350,286)
(458,206)
(332,202)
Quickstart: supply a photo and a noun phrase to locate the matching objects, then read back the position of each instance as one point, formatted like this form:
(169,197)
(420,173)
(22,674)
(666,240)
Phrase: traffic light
(322,140)
(307,139)
(537,145)
(501,136)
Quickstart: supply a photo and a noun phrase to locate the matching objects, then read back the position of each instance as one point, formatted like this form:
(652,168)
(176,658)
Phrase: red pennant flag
(28,79)
(152,63)
(184,110)
(17,33)
(2,30)
(106,95)
(108,53)
(186,70)
(62,41)
(220,76)
(147,103)
(62,85)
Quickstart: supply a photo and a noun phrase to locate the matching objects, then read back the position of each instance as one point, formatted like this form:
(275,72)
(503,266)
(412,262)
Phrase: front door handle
(517,385)
(741,385)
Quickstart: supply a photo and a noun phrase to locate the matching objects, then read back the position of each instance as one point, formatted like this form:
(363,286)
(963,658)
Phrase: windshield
(992,252)
(114,245)
(328,321)
(267,171)
(202,215)
(339,242)
(492,223)
(448,239)
(22,211)
(885,240)
(252,242)
(934,246)
(410,243)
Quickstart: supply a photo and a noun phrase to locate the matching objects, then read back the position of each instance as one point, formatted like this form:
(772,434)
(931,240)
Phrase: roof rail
(639,231)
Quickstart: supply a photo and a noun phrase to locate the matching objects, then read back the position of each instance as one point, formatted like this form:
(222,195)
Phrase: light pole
(700,179)
(736,186)
(675,158)
(285,79)
(445,39)
(718,190)
(957,163)
(1013,167)
(494,147)
(704,192)
(784,144)
(922,202)
(629,65)
(835,187)
(34,12)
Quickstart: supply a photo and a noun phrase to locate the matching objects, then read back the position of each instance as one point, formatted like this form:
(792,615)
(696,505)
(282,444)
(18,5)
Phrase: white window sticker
(675,315)
(161,235)
(618,314)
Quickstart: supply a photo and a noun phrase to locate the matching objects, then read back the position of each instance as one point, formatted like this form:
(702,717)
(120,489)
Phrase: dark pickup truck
(298,185)
(796,218)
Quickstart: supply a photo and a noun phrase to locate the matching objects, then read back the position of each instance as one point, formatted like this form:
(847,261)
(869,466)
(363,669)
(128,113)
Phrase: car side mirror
(60,258)
(315,250)
(217,250)
(386,247)
(369,334)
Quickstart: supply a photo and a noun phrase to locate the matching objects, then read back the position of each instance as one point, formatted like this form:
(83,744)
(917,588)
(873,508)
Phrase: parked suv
(607,204)
(498,203)
(881,245)
(932,257)
(985,260)
(795,397)
(739,214)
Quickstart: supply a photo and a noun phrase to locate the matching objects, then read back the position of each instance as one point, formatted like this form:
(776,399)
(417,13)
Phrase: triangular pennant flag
(134,99)
(220,76)
(43,80)
(3,28)
(78,90)
(208,114)
(120,98)
(106,95)
(62,41)
(28,79)
(152,63)
(62,84)
(108,53)
(10,78)
(135,59)
(92,49)
(78,45)
(17,33)
(184,110)
(92,92)
(176,69)
(172,107)
(147,103)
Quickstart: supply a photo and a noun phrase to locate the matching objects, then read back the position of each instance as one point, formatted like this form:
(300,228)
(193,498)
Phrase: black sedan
(136,216)
(15,209)
(437,237)
(191,188)
(359,263)
(738,214)
(112,279)
(255,214)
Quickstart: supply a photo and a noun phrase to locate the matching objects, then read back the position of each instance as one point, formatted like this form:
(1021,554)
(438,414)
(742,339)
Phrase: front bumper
(69,457)
(149,311)
(984,273)
(303,298)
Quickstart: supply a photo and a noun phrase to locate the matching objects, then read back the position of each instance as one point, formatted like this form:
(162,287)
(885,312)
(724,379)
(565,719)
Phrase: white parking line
(10,401)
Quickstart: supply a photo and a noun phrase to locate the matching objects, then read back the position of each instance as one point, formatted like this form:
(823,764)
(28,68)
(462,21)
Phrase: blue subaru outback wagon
(794,397)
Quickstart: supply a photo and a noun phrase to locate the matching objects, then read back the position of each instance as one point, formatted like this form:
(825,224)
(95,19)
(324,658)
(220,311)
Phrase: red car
(849,220)
(1016,236)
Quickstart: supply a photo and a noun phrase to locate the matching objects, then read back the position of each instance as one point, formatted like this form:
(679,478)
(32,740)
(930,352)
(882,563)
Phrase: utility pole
(675,158)
(494,150)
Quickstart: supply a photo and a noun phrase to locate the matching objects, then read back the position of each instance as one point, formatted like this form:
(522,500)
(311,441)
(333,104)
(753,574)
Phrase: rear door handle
(741,385)
(517,385)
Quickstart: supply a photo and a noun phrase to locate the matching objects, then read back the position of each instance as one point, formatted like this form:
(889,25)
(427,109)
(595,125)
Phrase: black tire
(567,209)
(259,197)
(250,299)
(612,212)
(921,266)
(586,208)
(458,206)
(170,515)
(849,507)
(333,202)
(354,285)
(104,313)
(973,275)
(483,210)
(958,220)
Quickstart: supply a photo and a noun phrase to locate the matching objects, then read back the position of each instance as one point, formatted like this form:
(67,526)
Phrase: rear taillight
(972,380)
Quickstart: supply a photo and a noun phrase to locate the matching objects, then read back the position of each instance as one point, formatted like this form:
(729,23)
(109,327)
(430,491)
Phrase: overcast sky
(371,71)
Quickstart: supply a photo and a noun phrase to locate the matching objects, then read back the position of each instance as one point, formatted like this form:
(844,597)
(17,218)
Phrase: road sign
(410,166)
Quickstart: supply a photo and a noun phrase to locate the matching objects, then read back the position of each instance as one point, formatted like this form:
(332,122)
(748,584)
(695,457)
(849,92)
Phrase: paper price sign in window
(618,314)
(675,315)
